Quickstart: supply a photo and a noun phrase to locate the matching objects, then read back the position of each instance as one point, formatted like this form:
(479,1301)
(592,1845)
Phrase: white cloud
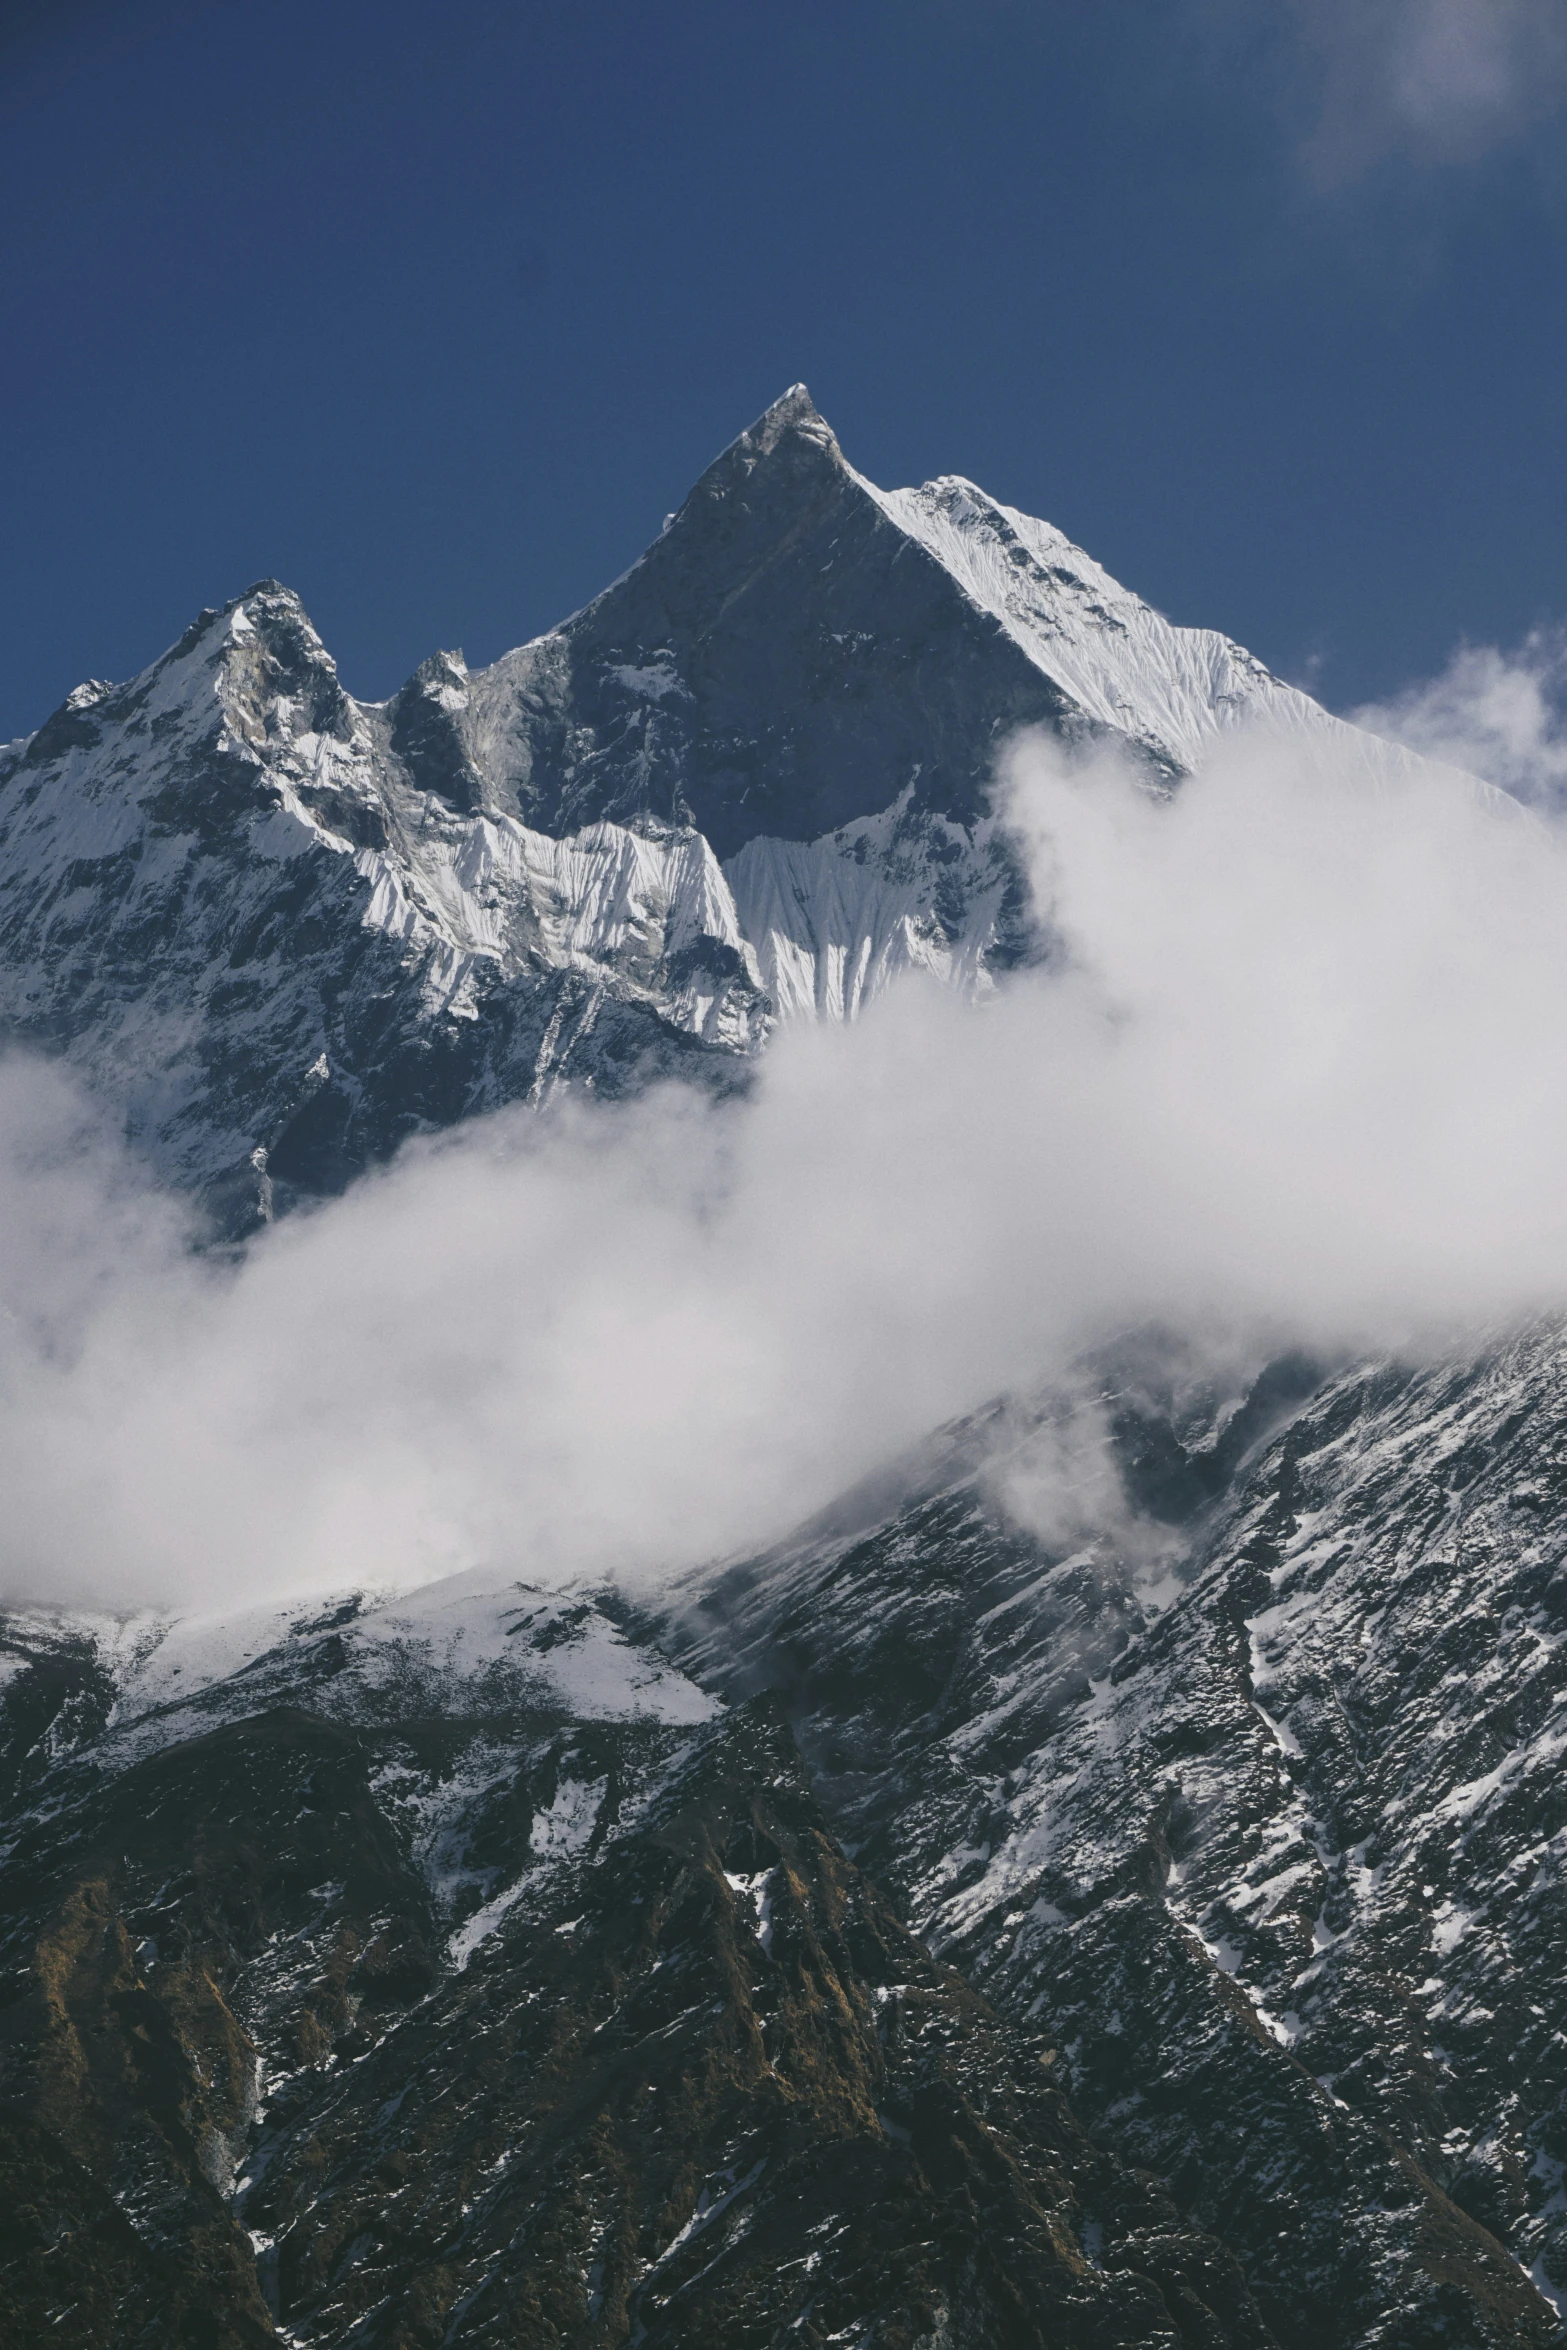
(1500,715)
(1302,1078)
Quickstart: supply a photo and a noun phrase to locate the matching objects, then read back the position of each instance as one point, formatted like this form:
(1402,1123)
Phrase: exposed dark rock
(1274,1851)
(783,659)
(428,733)
(698,2084)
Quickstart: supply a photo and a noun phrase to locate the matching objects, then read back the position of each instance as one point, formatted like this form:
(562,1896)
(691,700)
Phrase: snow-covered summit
(798,648)
(282,928)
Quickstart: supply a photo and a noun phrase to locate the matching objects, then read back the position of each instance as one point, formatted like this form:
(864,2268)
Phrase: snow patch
(755,1892)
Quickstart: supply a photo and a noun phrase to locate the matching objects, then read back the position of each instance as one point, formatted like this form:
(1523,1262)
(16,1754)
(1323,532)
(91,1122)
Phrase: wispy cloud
(1362,83)
(1499,715)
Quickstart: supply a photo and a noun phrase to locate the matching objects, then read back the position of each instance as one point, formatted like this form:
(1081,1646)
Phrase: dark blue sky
(434,310)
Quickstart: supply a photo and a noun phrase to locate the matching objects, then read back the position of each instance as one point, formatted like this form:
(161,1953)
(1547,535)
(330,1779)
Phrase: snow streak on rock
(1273,1845)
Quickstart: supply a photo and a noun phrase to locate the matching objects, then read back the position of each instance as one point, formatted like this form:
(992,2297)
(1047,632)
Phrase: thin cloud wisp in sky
(1363,83)
(1499,715)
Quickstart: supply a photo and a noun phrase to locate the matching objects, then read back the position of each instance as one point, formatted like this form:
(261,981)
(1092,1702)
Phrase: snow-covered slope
(470,1640)
(1127,669)
(832,922)
(282,929)
(1257,1808)
(458,1956)
(222,894)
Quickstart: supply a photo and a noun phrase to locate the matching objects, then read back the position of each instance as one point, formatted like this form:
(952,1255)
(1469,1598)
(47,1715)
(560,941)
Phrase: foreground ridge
(534,2019)
(1268,1837)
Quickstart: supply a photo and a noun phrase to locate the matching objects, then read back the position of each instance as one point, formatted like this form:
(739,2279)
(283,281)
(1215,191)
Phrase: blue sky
(433,311)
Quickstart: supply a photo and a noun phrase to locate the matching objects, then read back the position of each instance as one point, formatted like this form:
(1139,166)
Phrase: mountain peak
(795,407)
(792,436)
(271,589)
(429,732)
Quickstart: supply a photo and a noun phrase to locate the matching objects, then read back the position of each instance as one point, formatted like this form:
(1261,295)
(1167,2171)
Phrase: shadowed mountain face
(800,650)
(783,660)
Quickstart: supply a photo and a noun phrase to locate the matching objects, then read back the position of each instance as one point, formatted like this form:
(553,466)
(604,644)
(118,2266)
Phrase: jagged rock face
(487,1991)
(1271,1843)
(221,895)
(801,649)
(282,930)
(784,660)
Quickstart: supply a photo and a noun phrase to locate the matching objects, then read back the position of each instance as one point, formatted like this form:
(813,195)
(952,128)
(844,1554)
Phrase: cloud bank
(1295,1074)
